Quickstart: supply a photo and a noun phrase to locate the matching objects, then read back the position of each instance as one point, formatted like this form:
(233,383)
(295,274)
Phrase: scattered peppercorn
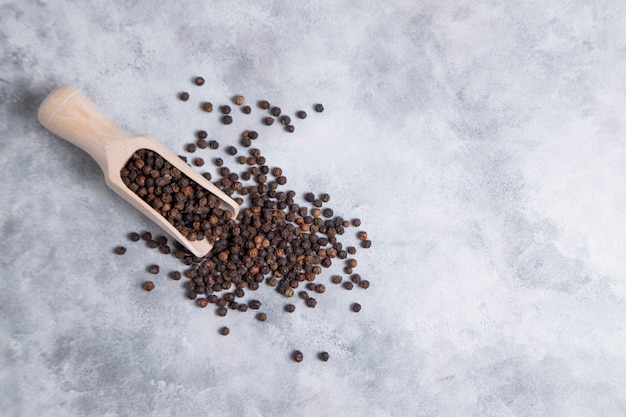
(198,162)
(199,80)
(238,100)
(324,356)
(311,302)
(207,106)
(362,235)
(222,311)
(268,121)
(365,284)
(184,96)
(153,269)
(213,144)
(148,285)
(227,120)
(348,285)
(254,304)
(120,250)
(290,308)
(366,244)
(290,128)
(297,356)
(319,108)
(246,109)
(356,307)
(134,236)
(191,148)
(275,111)
(285,120)
(301,114)
(336,279)
(175,275)
(264,104)
(261,317)
(202,302)
(356,222)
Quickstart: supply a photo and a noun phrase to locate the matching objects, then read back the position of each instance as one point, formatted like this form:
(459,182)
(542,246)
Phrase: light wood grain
(68,113)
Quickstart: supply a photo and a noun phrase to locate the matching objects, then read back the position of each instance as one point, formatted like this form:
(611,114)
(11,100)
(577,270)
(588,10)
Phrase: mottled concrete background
(481,142)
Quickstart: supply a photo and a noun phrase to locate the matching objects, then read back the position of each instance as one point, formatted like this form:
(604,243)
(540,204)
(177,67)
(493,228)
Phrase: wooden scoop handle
(68,113)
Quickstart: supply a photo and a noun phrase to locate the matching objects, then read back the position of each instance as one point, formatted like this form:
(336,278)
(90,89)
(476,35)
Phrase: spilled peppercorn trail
(273,239)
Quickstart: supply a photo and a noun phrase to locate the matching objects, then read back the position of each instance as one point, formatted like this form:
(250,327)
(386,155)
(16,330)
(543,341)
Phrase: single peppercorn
(290,128)
(261,317)
(362,235)
(199,81)
(301,114)
(254,304)
(328,213)
(352,263)
(147,236)
(213,144)
(175,275)
(285,120)
(184,96)
(207,106)
(222,311)
(243,308)
(264,104)
(366,244)
(365,284)
(268,121)
(324,356)
(246,109)
(290,308)
(198,162)
(231,150)
(253,134)
(325,197)
(191,148)
(310,197)
(356,278)
(356,307)
(153,269)
(275,111)
(202,143)
(227,120)
(224,331)
(297,356)
(225,109)
(202,302)
(148,285)
(120,250)
(218,162)
(319,108)
(246,142)
(336,279)
(348,285)
(356,222)
(134,236)
(311,302)
(351,250)
(239,100)
(320,288)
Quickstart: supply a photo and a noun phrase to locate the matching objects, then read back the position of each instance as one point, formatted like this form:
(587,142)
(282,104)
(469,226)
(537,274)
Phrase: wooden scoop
(68,113)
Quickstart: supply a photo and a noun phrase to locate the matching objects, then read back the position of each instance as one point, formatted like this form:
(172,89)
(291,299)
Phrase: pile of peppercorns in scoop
(273,239)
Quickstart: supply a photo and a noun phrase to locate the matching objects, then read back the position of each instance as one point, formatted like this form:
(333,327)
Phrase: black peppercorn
(285,120)
(246,109)
(324,356)
(120,250)
(290,308)
(148,285)
(264,104)
(301,114)
(134,236)
(268,121)
(199,80)
(207,106)
(225,109)
(239,100)
(275,111)
(153,269)
(319,108)
(222,311)
(298,356)
(356,307)
(227,120)
(184,96)
(290,128)
(261,317)
(224,331)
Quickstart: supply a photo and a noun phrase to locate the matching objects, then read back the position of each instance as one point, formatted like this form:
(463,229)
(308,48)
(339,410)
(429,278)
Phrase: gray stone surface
(481,142)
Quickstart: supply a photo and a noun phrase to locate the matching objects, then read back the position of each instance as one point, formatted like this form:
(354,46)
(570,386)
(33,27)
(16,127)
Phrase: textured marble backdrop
(481,142)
